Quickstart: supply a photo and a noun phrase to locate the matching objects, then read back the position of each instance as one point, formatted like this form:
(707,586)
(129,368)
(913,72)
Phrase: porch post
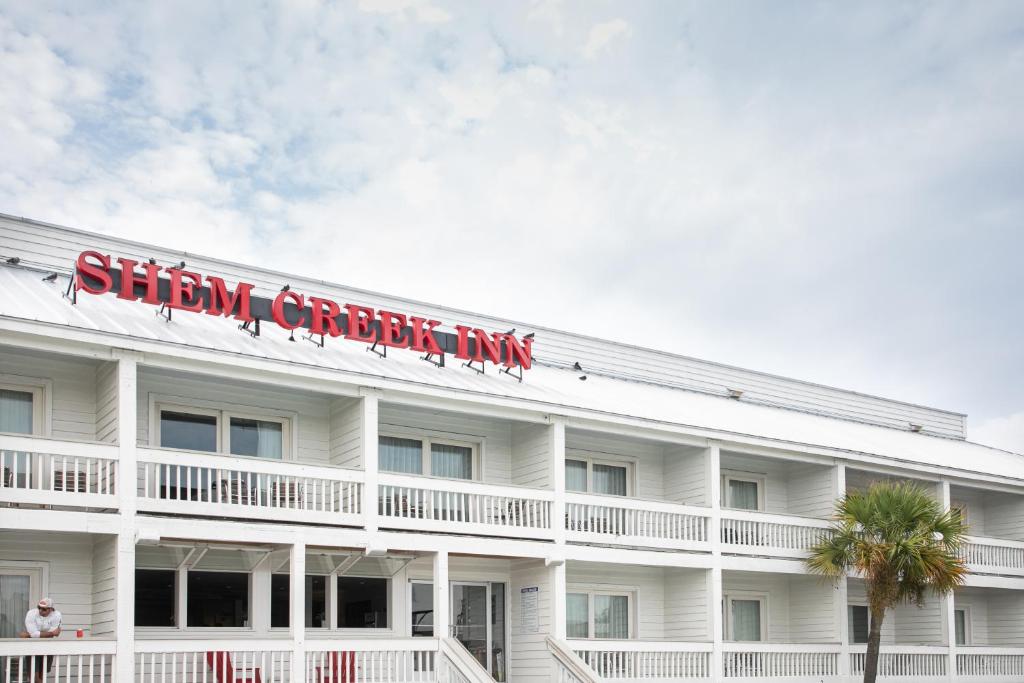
(948,609)
(127,382)
(715,595)
(842,590)
(558,589)
(714,489)
(368,419)
(442,604)
(556,446)
(297,608)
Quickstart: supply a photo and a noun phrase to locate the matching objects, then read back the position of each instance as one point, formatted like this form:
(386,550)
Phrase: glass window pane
(576,475)
(609,480)
(280,590)
(743,495)
(746,620)
(187,431)
(218,599)
(422,609)
(577,615)
(961,626)
(498,632)
(14,602)
(453,462)
(316,601)
(155,595)
(362,602)
(858,617)
(400,455)
(15,411)
(257,438)
(611,616)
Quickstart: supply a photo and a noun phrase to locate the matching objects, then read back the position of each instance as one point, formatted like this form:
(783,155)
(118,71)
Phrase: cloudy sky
(831,191)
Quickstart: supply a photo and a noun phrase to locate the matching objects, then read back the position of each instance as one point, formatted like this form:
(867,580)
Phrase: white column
(714,490)
(715,609)
(127,383)
(556,447)
(442,603)
(297,608)
(558,590)
(947,609)
(368,421)
(713,487)
(841,595)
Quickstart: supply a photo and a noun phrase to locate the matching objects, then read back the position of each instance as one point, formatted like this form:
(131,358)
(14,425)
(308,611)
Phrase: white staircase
(570,668)
(457,665)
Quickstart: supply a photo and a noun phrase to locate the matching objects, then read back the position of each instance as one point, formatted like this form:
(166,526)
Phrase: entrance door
(471,619)
(477,619)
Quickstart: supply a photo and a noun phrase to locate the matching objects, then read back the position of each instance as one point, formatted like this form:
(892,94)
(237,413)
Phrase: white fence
(218,661)
(432,504)
(769,534)
(990,664)
(757,661)
(993,556)
(411,660)
(636,659)
(250,488)
(61,473)
(902,662)
(630,521)
(90,661)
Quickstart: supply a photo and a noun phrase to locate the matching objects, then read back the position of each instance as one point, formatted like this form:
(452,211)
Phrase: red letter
(486,344)
(320,316)
(359,318)
(277,309)
(178,288)
(98,273)
(219,299)
(391,330)
(423,339)
(516,354)
(129,280)
(462,347)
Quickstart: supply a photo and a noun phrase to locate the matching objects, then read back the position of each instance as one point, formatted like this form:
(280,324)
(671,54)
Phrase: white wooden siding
(70,559)
(529,660)
(862,479)
(857,595)
(647,456)
(686,475)
(800,608)
(73,395)
(809,491)
(687,603)
(646,583)
(346,433)
(1006,619)
(106,402)
(906,624)
(104,582)
(531,457)
(793,488)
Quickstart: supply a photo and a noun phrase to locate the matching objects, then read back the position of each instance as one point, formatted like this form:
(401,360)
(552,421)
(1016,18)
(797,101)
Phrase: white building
(192,495)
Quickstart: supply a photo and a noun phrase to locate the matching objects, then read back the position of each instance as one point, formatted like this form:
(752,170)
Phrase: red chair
(343,669)
(224,672)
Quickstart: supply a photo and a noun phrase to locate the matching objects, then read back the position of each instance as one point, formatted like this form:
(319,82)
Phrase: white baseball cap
(45,603)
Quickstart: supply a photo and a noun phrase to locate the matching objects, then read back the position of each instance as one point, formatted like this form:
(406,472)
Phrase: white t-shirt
(35,623)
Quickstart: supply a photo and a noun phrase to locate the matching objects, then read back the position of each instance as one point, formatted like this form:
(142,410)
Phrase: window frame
(591,458)
(390,603)
(966,609)
(849,635)
(223,413)
(42,408)
(328,593)
(727,624)
(758,480)
(426,441)
(631,602)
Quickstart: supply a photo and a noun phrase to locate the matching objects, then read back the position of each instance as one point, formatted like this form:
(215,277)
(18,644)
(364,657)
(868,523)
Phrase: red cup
(80,633)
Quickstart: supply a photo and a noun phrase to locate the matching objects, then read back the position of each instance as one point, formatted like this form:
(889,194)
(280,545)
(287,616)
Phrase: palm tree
(901,542)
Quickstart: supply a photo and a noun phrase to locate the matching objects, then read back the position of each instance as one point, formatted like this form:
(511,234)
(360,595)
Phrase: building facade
(211,500)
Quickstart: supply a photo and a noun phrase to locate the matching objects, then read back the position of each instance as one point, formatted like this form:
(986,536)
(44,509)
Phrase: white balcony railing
(993,555)
(760,533)
(902,661)
(53,472)
(409,660)
(81,661)
(757,661)
(990,664)
(638,659)
(208,661)
(630,521)
(181,482)
(433,504)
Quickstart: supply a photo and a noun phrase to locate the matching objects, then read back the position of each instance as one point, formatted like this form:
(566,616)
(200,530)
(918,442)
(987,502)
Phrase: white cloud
(1001,432)
(602,35)
(422,10)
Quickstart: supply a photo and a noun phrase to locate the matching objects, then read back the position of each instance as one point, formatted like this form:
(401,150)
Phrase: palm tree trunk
(874,643)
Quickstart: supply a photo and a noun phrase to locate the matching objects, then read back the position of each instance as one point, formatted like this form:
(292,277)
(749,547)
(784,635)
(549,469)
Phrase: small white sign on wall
(529,609)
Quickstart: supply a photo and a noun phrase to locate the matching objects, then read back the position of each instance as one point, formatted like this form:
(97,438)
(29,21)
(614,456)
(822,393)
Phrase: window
(745,619)
(598,614)
(20,586)
(17,410)
(155,596)
(218,599)
(857,616)
(588,475)
(422,602)
(743,493)
(450,460)
(213,430)
(962,624)
(363,602)
(316,601)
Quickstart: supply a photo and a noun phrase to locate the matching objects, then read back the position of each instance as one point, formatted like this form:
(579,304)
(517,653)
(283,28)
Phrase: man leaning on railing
(42,622)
